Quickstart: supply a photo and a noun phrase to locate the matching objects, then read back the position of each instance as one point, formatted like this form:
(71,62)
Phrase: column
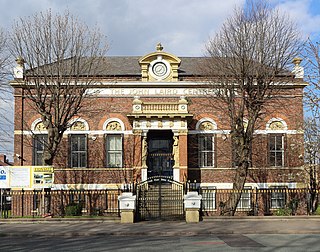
(176,157)
(144,155)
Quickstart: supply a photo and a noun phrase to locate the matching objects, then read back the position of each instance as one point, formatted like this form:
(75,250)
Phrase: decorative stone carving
(206,126)
(176,151)
(183,132)
(18,70)
(137,125)
(137,132)
(245,125)
(148,124)
(40,127)
(78,126)
(298,70)
(113,126)
(171,124)
(144,152)
(159,66)
(160,124)
(276,125)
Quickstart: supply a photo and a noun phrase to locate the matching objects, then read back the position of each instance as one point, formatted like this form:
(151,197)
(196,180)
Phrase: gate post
(192,203)
(127,205)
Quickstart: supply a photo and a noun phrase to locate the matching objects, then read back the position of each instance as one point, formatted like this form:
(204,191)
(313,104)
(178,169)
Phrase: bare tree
(312,62)
(246,60)
(312,124)
(62,56)
(312,158)
(6,104)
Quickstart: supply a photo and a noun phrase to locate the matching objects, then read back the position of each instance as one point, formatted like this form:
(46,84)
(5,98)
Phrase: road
(225,242)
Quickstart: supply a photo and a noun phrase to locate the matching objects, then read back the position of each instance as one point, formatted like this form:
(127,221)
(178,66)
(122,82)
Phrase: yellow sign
(42,169)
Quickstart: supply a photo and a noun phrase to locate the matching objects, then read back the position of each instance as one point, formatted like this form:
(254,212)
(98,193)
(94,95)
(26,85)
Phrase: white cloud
(301,12)
(134,27)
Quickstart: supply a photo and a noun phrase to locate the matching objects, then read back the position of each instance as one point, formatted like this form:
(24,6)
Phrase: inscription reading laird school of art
(153,91)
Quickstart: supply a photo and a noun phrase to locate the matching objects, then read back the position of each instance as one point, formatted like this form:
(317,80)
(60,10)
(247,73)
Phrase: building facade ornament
(159,66)
(78,126)
(298,70)
(113,126)
(40,127)
(176,151)
(206,126)
(277,125)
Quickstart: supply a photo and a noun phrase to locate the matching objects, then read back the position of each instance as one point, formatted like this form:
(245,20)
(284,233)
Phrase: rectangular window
(114,153)
(278,197)
(39,143)
(208,198)
(245,200)
(36,201)
(206,150)
(276,150)
(78,150)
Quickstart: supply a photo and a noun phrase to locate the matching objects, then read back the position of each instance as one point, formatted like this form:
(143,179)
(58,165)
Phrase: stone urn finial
(298,70)
(297,61)
(159,47)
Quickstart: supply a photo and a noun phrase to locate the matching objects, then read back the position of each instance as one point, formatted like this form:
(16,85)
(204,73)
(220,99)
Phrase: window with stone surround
(114,150)
(206,150)
(78,150)
(245,199)
(39,143)
(208,198)
(278,197)
(276,150)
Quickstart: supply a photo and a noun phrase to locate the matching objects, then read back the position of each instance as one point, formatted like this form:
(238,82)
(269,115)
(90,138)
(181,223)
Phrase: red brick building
(150,116)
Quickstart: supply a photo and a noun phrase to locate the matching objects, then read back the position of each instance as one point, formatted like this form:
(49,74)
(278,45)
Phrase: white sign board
(20,177)
(4,176)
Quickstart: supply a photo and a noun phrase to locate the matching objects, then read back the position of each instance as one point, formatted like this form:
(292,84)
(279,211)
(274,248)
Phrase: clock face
(159,69)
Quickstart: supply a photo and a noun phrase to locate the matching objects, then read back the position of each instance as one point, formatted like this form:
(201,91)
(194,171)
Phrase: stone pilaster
(183,154)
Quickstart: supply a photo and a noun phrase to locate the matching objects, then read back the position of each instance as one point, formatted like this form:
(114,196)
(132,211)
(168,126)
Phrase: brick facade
(116,102)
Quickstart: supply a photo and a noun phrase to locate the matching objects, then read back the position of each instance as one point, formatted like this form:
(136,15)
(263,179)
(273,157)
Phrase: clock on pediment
(159,69)
(159,66)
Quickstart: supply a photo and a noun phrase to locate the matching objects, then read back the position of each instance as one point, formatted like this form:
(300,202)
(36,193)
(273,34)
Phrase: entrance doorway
(160,159)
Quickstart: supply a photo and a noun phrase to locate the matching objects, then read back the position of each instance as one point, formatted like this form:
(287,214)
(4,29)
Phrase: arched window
(39,142)
(78,143)
(206,142)
(114,128)
(276,128)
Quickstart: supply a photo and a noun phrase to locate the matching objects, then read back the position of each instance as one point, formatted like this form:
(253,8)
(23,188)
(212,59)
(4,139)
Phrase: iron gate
(160,198)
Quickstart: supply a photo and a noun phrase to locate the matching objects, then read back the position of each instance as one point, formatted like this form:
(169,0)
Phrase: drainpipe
(22,119)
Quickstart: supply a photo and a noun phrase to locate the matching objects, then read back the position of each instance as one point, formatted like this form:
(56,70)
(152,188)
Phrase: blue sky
(134,27)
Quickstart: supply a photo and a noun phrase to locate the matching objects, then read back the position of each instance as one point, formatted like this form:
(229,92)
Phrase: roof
(129,66)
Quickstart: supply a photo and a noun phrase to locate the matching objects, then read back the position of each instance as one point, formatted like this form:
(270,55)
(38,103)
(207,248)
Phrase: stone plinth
(127,204)
(192,203)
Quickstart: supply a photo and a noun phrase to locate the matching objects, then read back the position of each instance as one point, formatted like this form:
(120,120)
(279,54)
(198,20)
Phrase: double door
(160,159)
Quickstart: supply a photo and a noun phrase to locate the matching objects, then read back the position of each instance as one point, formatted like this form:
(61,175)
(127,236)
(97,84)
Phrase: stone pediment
(159,66)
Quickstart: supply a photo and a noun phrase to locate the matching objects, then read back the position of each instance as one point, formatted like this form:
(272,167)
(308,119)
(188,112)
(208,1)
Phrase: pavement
(106,226)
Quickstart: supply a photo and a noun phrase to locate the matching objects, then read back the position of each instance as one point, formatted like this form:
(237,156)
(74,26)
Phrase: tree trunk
(230,206)
(54,138)
(242,159)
